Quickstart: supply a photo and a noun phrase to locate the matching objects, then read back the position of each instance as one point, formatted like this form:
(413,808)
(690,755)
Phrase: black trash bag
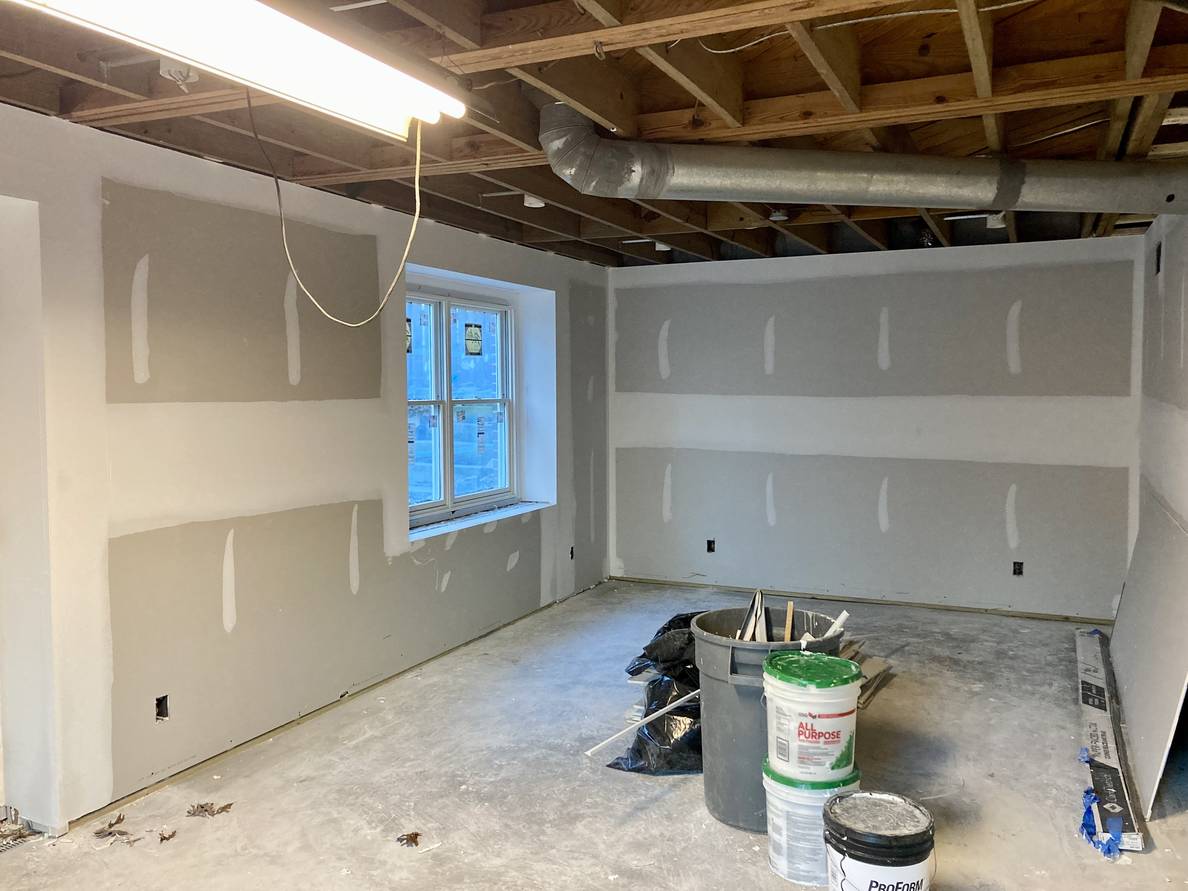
(672,743)
(670,652)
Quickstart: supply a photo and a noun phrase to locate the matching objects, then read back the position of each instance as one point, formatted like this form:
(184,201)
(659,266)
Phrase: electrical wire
(738,49)
(1063,132)
(911,12)
(280,209)
(870,18)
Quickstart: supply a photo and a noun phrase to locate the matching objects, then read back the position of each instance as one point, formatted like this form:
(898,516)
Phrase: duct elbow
(569,143)
(593,165)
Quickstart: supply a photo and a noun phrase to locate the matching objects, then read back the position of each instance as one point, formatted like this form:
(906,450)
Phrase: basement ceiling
(1025,79)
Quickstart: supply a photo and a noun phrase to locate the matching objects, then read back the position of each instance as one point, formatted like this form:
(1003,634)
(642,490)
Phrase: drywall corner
(28,699)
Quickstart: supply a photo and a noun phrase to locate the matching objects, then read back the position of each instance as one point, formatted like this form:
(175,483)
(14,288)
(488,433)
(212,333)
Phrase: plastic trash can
(733,722)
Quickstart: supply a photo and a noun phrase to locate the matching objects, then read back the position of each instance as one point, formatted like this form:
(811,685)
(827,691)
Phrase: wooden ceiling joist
(646,69)
(978,30)
(523,47)
(713,79)
(1047,84)
(1141,21)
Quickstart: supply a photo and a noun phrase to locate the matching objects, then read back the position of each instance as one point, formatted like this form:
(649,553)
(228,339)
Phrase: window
(460,410)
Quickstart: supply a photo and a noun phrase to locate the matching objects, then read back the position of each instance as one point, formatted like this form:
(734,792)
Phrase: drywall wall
(216,484)
(1147,647)
(904,426)
(28,771)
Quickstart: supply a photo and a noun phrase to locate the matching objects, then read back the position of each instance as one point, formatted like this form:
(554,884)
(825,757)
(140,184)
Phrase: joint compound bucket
(733,734)
(878,841)
(795,827)
(812,704)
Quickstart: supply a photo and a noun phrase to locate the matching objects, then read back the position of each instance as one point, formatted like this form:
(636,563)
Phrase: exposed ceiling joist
(978,30)
(524,47)
(1052,83)
(715,80)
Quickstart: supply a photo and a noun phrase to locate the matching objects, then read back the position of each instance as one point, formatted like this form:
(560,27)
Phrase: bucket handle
(742,680)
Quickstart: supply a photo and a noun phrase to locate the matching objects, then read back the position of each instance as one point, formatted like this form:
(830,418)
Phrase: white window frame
(450,507)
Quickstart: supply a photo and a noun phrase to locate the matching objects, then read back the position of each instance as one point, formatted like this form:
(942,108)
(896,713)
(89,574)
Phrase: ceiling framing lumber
(1144,127)
(713,79)
(1071,85)
(941,228)
(650,31)
(459,21)
(978,30)
(1052,83)
(1141,21)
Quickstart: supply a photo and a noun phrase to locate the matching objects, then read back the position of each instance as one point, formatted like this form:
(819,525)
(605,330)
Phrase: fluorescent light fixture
(251,43)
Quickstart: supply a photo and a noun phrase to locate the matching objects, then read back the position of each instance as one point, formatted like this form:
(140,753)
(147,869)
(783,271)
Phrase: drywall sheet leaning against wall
(201,306)
(1147,646)
(248,623)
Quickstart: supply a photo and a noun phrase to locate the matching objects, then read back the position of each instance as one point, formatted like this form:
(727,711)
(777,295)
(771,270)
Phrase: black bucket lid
(879,823)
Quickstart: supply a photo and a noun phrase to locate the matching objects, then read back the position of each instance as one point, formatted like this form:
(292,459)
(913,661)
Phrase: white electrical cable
(912,12)
(739,49)
(280,209)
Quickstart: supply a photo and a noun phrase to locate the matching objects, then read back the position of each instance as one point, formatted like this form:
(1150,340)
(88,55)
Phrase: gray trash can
(733,722)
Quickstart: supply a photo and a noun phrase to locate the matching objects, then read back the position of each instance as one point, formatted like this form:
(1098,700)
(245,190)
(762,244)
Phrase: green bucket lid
(811,669)
(812,785)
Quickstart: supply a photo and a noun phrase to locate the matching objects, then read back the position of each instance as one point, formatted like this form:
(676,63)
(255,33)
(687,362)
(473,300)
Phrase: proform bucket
(877,840)
(733,723)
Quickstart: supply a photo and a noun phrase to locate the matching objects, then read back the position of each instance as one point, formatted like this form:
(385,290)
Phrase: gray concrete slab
(481,751)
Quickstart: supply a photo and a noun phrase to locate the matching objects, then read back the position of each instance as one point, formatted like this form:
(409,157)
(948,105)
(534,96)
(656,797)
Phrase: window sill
(432,530)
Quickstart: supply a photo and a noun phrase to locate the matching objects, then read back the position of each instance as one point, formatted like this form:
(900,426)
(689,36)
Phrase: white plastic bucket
(812,704)
(795,827)
(878,841)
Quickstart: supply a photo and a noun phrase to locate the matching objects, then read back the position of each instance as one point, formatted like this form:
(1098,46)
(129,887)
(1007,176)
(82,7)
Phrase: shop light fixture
(254,44)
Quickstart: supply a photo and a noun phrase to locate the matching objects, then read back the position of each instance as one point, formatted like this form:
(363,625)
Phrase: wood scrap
(789,615)
(850,650)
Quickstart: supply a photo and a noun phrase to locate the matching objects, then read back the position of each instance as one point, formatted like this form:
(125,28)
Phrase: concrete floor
(481,752)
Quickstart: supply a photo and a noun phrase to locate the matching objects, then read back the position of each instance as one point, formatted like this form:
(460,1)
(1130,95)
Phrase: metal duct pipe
(621,169)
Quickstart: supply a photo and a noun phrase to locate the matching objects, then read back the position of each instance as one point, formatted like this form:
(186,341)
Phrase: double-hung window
(461,433)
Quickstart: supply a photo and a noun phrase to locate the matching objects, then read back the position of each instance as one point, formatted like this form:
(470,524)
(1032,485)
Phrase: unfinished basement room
(593,444)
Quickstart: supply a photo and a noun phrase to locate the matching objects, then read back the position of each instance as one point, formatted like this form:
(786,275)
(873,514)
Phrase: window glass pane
(480,448)
(419,347)
(476,343)
(424,454)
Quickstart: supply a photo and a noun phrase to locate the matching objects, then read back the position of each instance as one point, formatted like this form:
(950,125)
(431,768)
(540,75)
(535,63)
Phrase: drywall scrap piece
(1111,812)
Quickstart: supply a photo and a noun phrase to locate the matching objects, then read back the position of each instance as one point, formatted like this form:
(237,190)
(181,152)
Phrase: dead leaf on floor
(116,835)
(409,839)
(110,831)
(165,836)
(208,809)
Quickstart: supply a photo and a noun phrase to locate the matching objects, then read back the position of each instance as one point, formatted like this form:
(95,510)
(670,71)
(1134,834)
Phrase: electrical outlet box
(710,545)
(571,552)
(162,708)
(1017,568)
